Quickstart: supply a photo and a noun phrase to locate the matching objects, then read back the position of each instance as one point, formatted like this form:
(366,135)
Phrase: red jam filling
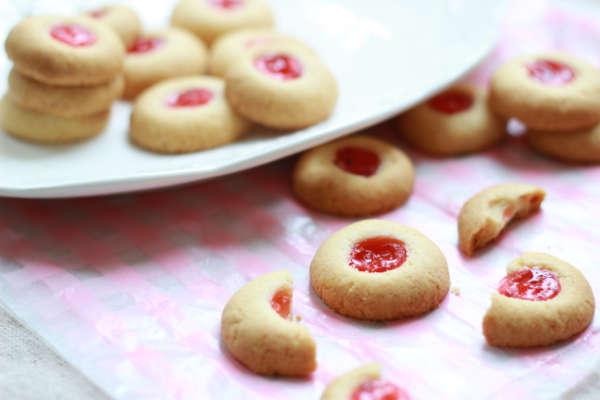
(98,13)
(281,303)
(357,160)
(73,35)
(190,98)
(378,390)
(144,45)
(226,4)
(279,66)
(377,254)
(551,73)
(534,284)
(451,101)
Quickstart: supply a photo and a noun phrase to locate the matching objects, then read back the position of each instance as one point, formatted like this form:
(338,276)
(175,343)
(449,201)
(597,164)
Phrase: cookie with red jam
(363,383)
(123,20)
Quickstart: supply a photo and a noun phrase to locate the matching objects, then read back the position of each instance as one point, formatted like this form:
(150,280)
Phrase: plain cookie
(578,146)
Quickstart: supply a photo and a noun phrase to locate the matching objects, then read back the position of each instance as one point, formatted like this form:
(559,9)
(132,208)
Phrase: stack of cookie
(67,73)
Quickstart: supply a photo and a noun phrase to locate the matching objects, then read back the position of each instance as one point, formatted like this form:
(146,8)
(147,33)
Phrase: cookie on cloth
(484,216)
(123,20)
(209,19)
(47,128)
(185,114)
(258,329)
(160,55)
(225,50)
(582,146)
(281,86)
(363,383)
(64,101)
(456,121)
(547,92)
(359,175)
(379,270)
(541,300)
(69,51)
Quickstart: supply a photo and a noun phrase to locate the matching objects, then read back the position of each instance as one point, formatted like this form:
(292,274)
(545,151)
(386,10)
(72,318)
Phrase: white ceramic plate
(386,54)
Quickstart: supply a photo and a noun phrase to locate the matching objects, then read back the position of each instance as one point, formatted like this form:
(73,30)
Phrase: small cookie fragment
(257,328)
(282,86)
(183,115)
(359,175)
(542,300)
(582,146)
(123,20)
(379,270)
(363,383)
(484,216)
(547,92)
(456,121)
(209,19)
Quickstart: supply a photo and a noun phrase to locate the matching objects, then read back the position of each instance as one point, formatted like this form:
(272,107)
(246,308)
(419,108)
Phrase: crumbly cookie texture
(414,288)
(261,339)
(342,387)
(581,146)
(123,20)
(484,216)
(452,132)
(324,186)
(514,322)
(570,100)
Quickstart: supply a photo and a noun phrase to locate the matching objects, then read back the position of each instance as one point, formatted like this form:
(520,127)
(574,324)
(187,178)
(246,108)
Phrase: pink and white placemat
(130,288)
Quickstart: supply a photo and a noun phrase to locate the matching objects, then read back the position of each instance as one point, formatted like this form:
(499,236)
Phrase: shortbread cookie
(123,20)
(69,51)
(64,101)
(578,146)
(484,216)
(363,383)
(161,55)
(359,175)
(48,128)
(281,86)
(379,270)
(209,19)
(259,331)
(226,50)
(183,115)
(547,92)
(456,121)
(541,300)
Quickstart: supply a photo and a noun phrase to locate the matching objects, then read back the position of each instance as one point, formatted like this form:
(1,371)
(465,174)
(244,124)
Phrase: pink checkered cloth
(130,288)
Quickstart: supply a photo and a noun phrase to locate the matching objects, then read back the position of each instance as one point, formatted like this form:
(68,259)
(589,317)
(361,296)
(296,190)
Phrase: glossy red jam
(73,35)
(279,66)
(357,160)
(190,98)
(144,45)
(377,254)
(226,4)
(551,73)
(379,390)
(98,13)
(534,284)
(451,101)
(282,302)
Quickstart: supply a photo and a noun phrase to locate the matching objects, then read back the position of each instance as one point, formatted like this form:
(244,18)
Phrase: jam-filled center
(145,45)
(551,73)
(282,302)
(226,4)
(451,101)
(73,35)
(279,66)
(532,283)
(357,160)
(98,13)
(378,390)
(190,98)
(377,254)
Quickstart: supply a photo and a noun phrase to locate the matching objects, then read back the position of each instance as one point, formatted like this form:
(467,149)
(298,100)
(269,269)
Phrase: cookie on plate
(353,176)
(363,383)
(456,121)
(547,92)
(258,330)
(541,300)
(123,20)
(379,270)
(484,216)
